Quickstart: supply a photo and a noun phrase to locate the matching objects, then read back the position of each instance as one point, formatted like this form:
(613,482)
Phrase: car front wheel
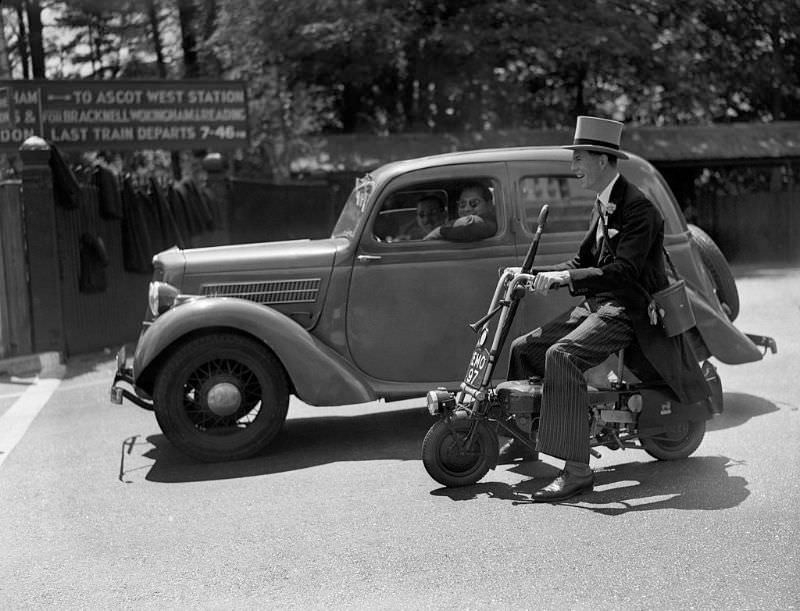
(221,397)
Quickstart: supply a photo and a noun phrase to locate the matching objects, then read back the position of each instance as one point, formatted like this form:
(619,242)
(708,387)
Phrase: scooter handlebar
(527,264)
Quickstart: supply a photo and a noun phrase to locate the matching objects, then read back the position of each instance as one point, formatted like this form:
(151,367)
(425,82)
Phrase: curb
(31,364)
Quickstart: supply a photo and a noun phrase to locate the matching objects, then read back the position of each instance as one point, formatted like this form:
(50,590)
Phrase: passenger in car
(431,213)
(476,217)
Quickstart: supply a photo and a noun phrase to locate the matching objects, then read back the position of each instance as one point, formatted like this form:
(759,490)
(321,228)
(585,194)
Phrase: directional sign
(125,115)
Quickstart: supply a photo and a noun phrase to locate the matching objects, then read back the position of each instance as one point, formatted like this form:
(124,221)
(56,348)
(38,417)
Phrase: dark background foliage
(399,66)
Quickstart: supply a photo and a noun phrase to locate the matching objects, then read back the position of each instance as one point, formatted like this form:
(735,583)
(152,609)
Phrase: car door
(548,182)
(410,301)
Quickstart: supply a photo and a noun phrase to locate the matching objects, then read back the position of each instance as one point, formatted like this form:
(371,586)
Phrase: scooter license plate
(478,364)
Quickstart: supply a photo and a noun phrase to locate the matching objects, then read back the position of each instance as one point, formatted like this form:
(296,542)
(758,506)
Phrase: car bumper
(124,376)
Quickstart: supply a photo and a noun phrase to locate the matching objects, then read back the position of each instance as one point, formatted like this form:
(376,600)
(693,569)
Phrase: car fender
(722,338)
(319,375)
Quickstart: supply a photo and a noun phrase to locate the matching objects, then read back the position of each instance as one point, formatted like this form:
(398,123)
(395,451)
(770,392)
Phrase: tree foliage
(390,66)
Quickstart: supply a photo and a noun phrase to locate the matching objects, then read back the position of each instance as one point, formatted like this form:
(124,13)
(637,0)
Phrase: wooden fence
(15,319)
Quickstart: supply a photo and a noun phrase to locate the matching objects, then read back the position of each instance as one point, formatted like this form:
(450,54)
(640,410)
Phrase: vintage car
(233,331)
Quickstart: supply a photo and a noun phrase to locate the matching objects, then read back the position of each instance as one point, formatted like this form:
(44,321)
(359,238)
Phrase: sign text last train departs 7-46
(124,115)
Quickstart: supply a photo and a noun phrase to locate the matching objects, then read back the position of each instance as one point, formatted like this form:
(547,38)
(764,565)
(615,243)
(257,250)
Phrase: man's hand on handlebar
(544,281)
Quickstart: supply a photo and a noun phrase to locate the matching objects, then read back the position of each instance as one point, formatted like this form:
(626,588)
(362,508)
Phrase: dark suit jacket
(109,194)
(66,189)
(638,239)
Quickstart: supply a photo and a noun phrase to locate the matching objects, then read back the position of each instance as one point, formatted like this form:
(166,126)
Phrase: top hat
(598,136)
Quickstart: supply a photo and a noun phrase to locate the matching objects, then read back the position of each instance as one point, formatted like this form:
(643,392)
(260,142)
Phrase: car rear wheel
(221,397)
(719,270)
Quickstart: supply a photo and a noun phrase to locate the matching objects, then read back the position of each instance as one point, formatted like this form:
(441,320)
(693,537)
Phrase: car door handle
(369,258)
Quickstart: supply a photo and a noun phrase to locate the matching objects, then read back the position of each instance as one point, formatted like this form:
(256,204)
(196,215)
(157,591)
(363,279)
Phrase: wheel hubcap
(224,399)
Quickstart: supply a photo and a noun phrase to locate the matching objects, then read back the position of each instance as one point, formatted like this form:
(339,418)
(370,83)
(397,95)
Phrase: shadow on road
(738,408)
(699,483)
(394,434)
(304,442)
(102,360)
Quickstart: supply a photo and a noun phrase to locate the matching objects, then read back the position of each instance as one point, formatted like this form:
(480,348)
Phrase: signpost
(125,115)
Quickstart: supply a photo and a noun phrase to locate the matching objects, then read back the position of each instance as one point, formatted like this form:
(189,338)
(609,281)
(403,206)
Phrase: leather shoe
(565,486)
(513,450)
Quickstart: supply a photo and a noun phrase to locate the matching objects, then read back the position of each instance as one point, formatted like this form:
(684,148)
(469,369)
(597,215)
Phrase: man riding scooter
(618,264)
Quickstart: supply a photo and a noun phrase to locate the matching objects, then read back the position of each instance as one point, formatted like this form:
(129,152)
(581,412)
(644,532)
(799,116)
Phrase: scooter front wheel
(451,459)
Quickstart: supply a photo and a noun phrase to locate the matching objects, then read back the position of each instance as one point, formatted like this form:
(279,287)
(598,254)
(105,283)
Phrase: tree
(760,41)
(251,41)
(33,11)
(389,66)
(5,64)
(154,23)
(187,15)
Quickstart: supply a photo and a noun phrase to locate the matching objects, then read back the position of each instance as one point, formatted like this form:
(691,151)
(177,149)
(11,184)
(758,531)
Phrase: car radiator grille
(268,293)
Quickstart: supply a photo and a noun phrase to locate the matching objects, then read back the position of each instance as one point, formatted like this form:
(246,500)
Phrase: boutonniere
(609,208)
(612,232)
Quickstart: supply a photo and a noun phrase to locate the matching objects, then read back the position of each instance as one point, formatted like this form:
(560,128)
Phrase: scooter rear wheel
(449,461)
(677,444)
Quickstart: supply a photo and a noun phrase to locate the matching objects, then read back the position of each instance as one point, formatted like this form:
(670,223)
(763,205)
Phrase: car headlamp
(439,400)
(161,297)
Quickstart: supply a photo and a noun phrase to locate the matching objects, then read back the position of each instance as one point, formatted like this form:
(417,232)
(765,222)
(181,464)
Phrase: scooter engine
(521,400)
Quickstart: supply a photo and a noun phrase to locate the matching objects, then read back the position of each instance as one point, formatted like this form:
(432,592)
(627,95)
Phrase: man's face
(589,169)
(429,215)
(471,202)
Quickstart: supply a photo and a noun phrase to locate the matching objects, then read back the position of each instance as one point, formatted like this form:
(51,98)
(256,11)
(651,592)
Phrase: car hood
(191,267)
(292,276)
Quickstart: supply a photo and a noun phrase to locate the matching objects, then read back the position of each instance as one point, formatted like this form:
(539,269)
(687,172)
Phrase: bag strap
(653,313)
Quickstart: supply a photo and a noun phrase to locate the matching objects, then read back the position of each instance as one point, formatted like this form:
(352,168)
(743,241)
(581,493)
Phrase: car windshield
(354,208)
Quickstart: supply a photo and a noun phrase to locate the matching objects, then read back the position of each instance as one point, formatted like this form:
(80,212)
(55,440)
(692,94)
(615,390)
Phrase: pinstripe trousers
(560,352)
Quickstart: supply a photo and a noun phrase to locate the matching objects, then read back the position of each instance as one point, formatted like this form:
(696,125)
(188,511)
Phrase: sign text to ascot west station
(124,115)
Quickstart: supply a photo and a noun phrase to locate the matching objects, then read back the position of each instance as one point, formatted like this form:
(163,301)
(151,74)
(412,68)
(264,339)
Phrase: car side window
(570,204)
(406,214)
(450,211)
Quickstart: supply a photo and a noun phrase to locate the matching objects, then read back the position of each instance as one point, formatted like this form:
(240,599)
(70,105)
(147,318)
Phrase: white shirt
(605,194)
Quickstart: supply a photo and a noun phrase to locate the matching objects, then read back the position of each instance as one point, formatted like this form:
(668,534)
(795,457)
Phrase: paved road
(99,511)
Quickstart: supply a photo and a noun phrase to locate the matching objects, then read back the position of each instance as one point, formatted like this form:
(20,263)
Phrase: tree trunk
(158,45)
(779,72)
(34,10)
(5,65)
(187,13)
(580,100)
(210,61)
(23,41)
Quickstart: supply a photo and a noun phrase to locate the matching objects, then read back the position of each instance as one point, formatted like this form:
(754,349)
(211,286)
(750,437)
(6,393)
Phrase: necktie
(601,221)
